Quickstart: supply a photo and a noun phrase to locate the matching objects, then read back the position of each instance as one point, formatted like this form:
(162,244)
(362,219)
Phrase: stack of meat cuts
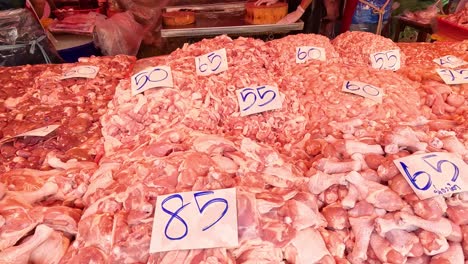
(315,180)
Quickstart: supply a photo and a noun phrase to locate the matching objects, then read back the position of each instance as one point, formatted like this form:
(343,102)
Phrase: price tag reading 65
(260,99)
(211,63)
(386,60)
(160,76)
(433,174)
(195,220)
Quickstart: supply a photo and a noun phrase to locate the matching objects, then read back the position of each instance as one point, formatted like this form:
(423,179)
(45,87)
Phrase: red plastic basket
(450,30)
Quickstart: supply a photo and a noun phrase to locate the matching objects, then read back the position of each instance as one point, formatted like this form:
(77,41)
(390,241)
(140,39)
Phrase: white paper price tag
(364,90)
(306,53)
(212,63)
(160,76)
(257,100)
(386,60)
(39,132)
(89,72)
(433,174)
(450,61)
(195,220)
(451,76)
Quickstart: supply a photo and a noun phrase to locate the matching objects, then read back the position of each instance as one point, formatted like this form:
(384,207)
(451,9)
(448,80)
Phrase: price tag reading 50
(212,63)
(387,60)
(89,72)
(433,174)
(195,220)
(453,76)
(257,100)
(364,90)
(160,76)
(306,53)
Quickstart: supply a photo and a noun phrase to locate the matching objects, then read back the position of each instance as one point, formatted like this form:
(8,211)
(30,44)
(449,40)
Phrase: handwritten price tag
(450,61)
(89,72)
(195,220)
(39,132)
(433,174)
(257,100)
(160,76)
(386,60)
(453,76)
(364,90)
(212,63)
(306,53)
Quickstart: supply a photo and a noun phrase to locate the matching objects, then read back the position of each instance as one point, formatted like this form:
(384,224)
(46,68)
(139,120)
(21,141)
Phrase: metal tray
(217,19)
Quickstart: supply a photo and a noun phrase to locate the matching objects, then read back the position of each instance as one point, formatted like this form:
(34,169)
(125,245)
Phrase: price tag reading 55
(212,63)
(160,76)
(306,53)
(386,60)
(433,174)
(257,100)
(195,220)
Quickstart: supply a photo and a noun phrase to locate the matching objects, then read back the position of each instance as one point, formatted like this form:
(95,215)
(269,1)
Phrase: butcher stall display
(299,150)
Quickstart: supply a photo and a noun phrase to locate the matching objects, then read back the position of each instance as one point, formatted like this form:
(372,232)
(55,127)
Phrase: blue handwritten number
(212,57)
(139,78)
(413,178)
(212,201)
(246,92)
(349,85)
(200,65)
(262,96)
(438,167)
(380,58)
(299,54)
(175,215)
(148,77)
(449,73)
(375,93)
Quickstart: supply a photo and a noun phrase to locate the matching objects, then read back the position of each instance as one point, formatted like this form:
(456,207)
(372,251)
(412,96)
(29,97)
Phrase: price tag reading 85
(433,174)
(450,61)
(160,76)
(364,90)
(89,72)
(195,220)
(257,100)
(306,53)
(386,60)
(453,76)
(211,63)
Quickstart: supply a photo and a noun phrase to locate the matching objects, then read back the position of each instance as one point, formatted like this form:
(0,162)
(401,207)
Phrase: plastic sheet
(120,34)
(23,41)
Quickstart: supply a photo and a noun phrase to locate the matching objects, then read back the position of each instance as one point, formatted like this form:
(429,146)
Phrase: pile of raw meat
(315,179)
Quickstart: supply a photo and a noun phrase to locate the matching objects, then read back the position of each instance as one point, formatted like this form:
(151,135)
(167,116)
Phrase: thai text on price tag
(364,90)
(450,61)
(89,72)
(160,76)
(386,60)
(306,53)
(259,99)
(212,63)
(195,220)
(451,76)
(433,174)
